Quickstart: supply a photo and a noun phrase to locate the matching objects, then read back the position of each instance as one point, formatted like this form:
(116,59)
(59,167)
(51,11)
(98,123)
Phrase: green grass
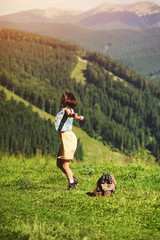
(10,95)
(78,72)
(35,205)
(93,149)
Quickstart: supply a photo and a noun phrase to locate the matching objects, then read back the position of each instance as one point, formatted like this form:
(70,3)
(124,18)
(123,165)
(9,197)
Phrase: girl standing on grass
(63,124)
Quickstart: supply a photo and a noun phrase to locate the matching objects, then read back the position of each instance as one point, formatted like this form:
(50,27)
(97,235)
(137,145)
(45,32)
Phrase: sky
(12,6)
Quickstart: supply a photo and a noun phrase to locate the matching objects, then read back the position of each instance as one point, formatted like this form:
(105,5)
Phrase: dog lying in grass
(106,186)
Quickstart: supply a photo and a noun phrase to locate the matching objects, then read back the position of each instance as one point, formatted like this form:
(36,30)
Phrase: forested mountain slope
(123,111)
(29,130)
(136,48)
(24,131)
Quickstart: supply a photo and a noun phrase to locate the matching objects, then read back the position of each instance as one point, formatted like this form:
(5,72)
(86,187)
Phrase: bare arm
(74,115)
(78,117)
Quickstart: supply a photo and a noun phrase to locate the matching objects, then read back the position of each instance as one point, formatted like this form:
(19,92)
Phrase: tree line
(128,118)
(24,132)
(124,112)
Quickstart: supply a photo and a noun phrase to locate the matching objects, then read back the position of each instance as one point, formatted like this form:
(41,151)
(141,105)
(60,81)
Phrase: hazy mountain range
(108,15)
(129,33)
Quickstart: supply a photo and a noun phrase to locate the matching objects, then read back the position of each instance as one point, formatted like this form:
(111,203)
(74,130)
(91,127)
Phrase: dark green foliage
(127,113)
(23,131)
(79,152)
(122,111)
(138,48)
(35,67)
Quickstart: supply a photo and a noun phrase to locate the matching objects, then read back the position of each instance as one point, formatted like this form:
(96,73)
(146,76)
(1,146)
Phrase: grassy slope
(35,205)
(10,95)
(78,72)
(92,148)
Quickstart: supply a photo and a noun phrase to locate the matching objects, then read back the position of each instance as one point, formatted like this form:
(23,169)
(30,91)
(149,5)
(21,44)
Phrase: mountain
(108,15)
(37,15)
(120,106)
(91,146)
(126,32)
(137,48)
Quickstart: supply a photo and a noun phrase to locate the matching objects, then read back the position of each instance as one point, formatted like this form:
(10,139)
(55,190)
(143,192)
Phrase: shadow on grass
(90,194)
(14,236)
(25,186)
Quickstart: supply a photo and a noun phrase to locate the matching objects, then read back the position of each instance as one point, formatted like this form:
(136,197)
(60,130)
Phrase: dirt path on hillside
(115,78)
(82,60)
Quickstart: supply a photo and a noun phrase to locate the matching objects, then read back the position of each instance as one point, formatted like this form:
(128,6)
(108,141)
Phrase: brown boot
(75,180)
(71,186)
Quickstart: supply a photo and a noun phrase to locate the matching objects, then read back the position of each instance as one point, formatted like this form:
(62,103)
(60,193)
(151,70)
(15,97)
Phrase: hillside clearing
(78,72)
(41,113)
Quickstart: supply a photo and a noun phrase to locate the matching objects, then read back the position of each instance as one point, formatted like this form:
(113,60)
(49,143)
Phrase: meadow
(36,206)
(34,203)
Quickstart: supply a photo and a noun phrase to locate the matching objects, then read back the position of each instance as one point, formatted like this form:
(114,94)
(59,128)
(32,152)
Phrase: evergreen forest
(23,131)
(121,107)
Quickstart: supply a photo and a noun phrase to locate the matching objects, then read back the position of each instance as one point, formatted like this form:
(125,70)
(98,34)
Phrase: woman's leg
(59,165)
(64,166)
(68,171)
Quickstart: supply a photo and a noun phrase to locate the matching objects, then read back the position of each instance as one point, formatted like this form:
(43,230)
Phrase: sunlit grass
(78,72)
(35,204)
(10,95)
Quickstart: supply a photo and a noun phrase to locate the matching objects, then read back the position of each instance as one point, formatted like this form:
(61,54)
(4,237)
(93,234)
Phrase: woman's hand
(81,118)
(78,117)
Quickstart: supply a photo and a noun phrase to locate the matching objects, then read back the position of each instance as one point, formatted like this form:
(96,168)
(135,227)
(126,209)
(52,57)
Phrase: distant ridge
(140,8)
(135,47)
(39,15)
(139,15)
